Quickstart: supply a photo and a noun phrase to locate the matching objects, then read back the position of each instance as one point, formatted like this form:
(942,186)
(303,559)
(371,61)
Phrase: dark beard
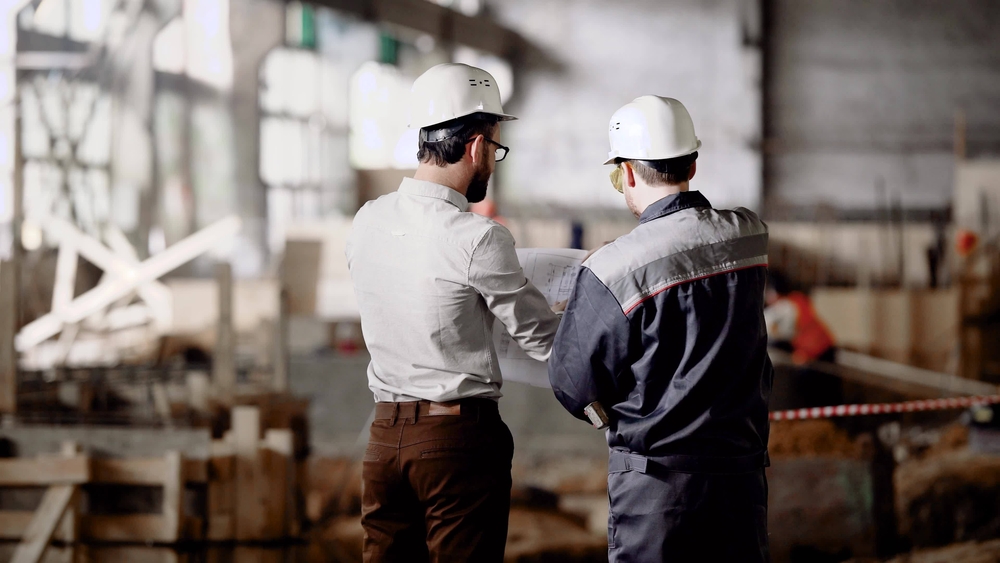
(477,186)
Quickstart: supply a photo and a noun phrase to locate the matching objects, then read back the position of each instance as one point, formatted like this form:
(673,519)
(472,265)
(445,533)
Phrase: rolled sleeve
(496,274)
(591,347)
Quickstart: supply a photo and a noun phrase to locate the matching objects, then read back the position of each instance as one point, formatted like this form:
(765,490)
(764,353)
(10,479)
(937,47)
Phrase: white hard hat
(452,90)
(652,128)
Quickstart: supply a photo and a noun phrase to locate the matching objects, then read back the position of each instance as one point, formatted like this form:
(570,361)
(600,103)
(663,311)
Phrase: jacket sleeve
(591,347)
(496,274)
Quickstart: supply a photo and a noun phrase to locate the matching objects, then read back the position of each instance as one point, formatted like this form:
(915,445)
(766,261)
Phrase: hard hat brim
(612,159)
(499,116)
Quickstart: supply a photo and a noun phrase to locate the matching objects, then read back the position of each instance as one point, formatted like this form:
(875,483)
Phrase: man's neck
(665,192)
(446,176)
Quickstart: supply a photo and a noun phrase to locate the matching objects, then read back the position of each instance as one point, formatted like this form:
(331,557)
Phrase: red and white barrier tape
(885,408)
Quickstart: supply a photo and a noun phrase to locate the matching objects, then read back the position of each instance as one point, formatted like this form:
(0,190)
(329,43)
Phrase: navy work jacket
(665,328)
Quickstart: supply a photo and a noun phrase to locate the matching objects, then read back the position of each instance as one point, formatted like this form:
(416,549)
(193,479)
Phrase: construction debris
(811,438)
(945,499)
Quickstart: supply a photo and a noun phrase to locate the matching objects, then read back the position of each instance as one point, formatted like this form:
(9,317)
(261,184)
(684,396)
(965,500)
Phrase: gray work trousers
(667,516)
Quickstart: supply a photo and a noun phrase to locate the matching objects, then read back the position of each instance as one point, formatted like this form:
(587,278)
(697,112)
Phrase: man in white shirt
(430,278)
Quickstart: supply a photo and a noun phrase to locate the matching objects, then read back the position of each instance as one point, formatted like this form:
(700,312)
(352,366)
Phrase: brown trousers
(436,488)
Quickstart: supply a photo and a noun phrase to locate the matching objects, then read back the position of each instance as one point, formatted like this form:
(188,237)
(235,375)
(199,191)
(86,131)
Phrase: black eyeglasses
(501,151)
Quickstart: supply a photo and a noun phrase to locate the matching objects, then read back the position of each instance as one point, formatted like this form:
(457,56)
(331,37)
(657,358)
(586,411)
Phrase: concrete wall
(865,91)
(603,55)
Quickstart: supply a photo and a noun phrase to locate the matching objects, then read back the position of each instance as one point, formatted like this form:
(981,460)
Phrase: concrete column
(256,27)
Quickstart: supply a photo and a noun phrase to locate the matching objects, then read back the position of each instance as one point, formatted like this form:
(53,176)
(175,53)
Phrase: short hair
(444,144)
(669,172)
(777,281)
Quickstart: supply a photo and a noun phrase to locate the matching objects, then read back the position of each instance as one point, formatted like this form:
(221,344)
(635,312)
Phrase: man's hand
(559,307)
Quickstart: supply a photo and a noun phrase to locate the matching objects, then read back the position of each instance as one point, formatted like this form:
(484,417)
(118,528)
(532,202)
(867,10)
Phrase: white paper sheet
(553,271)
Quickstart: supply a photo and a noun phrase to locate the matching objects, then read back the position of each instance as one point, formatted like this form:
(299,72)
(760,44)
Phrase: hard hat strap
(439,134)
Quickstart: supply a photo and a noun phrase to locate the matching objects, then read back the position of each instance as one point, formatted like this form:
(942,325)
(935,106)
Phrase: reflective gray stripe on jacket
(665,327)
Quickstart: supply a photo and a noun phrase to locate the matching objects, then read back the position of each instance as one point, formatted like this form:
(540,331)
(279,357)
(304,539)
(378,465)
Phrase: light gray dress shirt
(430,277)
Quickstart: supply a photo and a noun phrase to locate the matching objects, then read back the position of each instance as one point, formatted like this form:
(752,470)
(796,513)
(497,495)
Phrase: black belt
(621,461)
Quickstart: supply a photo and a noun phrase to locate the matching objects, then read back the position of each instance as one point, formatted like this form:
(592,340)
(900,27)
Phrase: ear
(629,176)
(693,170)
(474,149)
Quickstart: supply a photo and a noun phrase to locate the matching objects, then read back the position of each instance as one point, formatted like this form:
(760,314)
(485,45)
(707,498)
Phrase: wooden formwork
(249,480)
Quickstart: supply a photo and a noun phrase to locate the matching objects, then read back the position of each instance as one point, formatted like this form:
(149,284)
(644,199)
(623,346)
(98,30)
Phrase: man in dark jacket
(665,330)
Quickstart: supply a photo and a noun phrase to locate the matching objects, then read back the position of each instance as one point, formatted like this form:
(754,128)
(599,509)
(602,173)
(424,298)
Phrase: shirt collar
(423,188)
(673,204)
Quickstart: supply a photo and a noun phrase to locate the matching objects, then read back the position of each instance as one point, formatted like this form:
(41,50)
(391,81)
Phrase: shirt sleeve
(591,347)
(496,274)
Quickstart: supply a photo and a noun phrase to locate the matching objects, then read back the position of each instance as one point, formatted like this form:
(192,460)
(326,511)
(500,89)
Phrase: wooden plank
(120,528)
(69,527)
(173,494)
(193,528)
(281,472)
(43,524)
(13,523)
(54,554)
(220,527)
(144,471)
(195,471)
(138,528)
(281,355)
(251,487)
(223,359)
(128,554)
(8,331)
(17,472)
(138,471)
(221,498)
(276,475)
(945,385)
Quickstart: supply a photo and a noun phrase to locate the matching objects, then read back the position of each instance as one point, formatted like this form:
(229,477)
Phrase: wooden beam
(13,523)
(187,249)
(222,493)
(942,384)
(223,359)
(173,494)
(138,528)
(36,538)
(8,331)
(145,471)
(281,356)
(251,486)
(132,528)
(906,380)
(15,472)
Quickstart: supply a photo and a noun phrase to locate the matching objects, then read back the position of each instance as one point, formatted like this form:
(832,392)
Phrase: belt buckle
(443,409)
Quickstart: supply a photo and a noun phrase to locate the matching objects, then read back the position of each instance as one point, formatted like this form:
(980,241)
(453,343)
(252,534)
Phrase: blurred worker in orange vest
(793,325)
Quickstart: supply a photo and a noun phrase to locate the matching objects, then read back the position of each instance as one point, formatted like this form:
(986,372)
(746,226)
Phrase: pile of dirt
(954,438)
(534,536)
(948,499)
(972,552)
(812,438)
(542,527)
(564,475)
